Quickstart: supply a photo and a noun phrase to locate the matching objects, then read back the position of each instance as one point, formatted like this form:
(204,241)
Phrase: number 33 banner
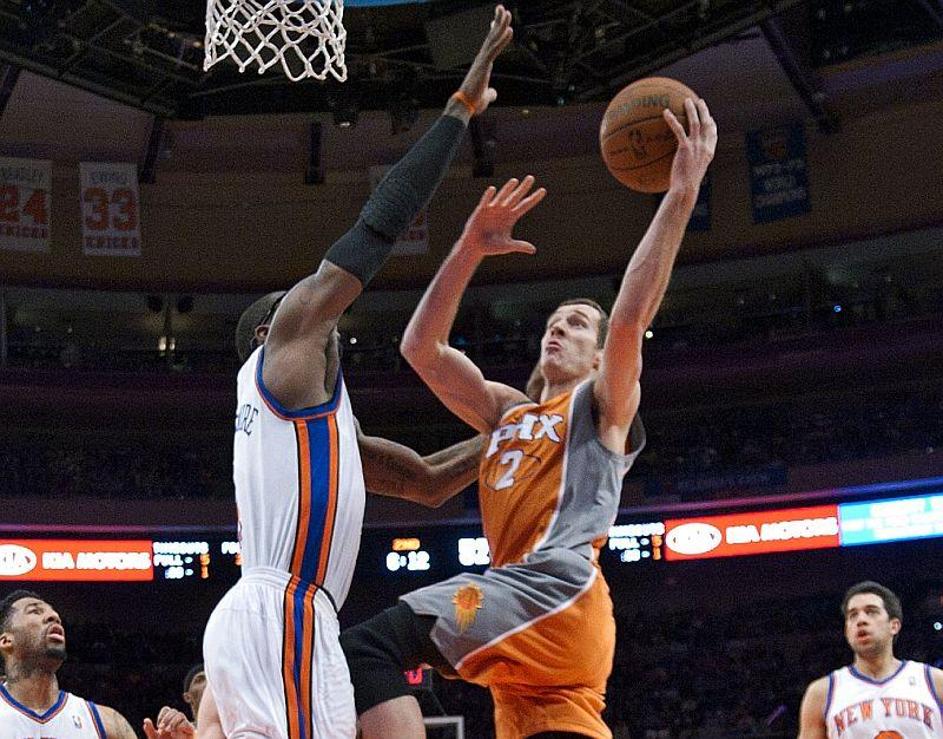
(25,186)
(111,225)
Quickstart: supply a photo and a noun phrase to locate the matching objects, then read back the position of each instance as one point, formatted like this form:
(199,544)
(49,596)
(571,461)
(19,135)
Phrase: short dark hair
(6,605)
(603,317)
(891,601)
(259,313)
(193,672)
(6,610)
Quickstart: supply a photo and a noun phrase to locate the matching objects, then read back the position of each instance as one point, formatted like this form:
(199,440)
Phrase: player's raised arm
(451,375)
(646,278)
(296,369)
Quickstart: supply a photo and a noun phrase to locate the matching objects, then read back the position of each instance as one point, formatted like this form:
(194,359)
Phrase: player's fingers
(497,35)
(505,39)
(523,247)
(504,17)
(506,190)
(675,125)
(170,719)
(530,201)
(515,196)
(694,122)
(487,196)
(149,731)
(704,114)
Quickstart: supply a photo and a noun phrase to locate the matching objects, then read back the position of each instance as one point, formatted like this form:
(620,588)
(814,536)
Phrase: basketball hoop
(306,37)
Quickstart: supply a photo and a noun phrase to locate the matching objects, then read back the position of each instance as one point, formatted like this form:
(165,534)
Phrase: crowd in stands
(110,466)
(755,316)
(695,674)
(693,445)
(689,450)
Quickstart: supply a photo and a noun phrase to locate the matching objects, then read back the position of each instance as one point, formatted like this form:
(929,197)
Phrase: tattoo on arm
(388,467)
(397,471)
(464,454)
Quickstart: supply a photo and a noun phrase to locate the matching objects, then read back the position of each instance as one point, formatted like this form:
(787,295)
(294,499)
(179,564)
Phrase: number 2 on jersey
(513,459)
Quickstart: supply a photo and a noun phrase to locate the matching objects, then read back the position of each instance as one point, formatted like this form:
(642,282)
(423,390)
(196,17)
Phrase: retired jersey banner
(779,182)
(111,225)
(76,560)
(415,239)
(25,189)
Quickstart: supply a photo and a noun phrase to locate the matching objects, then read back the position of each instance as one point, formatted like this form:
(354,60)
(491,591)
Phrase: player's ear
(597,359)
(261,332)
(895,626)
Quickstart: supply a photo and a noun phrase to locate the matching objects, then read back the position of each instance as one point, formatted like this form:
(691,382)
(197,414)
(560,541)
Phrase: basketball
(637,145)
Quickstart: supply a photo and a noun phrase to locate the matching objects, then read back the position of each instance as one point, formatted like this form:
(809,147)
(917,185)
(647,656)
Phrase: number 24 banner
(25,187)
(111,225)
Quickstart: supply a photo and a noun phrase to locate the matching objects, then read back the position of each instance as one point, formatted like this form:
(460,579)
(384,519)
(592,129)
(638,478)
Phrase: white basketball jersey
(299,484)
(902,706)
(70,717)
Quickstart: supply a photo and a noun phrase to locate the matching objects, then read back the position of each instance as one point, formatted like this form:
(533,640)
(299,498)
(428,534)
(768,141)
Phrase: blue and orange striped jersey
(299,484)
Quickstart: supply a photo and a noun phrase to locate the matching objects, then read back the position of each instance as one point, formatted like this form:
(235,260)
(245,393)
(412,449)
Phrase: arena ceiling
(148,53)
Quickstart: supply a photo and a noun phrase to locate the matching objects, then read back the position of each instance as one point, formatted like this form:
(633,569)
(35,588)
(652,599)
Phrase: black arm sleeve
(396,201)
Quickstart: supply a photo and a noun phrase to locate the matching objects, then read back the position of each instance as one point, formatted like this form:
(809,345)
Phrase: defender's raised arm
(300,359)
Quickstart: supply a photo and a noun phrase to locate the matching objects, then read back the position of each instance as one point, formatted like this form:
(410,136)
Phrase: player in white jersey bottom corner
(878,696)
(33,647)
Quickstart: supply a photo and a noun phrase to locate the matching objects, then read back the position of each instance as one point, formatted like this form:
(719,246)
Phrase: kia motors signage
(76,560)
(757,532)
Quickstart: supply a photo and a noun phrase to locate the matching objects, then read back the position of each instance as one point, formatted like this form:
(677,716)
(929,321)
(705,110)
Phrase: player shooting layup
(537,627)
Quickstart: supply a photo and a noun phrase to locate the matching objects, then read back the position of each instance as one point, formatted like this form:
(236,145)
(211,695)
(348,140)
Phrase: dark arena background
(793,380)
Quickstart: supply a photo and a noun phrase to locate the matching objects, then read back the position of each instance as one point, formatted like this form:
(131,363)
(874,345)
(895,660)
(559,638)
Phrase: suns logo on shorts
(467,600)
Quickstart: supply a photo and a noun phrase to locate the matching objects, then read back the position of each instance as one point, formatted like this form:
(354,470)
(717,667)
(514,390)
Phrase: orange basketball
(637,145)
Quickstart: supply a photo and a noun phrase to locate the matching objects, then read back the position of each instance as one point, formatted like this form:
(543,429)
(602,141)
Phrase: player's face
(568,347)
(35,631)
(868,628)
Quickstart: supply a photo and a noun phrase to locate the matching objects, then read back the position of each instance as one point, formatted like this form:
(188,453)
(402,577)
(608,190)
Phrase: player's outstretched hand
(171,724)
(488,229)
(695,148)
(476,85)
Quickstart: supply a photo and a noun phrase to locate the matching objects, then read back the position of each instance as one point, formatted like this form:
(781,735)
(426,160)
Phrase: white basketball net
(306,37)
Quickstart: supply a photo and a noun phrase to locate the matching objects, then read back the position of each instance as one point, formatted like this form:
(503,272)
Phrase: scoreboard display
(117,559)
(429,553)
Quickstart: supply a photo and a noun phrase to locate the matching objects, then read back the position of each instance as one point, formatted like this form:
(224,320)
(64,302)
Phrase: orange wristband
(463,99)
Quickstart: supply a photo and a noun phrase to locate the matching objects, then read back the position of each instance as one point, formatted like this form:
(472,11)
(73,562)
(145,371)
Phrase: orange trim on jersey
(304,497)
(288,662)
(328,532)
(307,646)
